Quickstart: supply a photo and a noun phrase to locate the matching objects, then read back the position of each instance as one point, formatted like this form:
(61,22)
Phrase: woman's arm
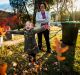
(39,19)
(48,18)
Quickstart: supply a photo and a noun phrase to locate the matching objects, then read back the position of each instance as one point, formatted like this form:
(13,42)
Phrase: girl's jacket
(30,44)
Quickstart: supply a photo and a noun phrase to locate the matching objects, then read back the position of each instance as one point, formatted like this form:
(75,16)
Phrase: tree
(19,6)
(62,8)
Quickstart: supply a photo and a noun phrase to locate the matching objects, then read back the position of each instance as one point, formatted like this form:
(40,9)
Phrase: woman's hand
(46,27)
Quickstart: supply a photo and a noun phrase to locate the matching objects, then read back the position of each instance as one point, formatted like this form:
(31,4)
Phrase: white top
(39,18)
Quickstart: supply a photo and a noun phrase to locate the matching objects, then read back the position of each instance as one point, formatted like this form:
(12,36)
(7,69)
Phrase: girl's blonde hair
(28,22)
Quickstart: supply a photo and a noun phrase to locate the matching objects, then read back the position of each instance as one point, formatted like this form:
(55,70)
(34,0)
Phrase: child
(30,45)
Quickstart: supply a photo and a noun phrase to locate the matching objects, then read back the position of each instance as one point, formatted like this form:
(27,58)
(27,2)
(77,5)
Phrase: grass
(77,55)
(15,53)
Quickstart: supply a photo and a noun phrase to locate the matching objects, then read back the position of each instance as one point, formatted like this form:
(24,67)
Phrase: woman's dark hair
(43,4)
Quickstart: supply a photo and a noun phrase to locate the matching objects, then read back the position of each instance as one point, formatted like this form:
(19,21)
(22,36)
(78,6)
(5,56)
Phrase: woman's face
(42,7)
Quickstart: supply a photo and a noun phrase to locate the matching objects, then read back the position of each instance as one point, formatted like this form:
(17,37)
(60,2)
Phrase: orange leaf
(57,42)
(64,49)
(60,58)
(37,66)
(1,29)
(54,47)
(3,68)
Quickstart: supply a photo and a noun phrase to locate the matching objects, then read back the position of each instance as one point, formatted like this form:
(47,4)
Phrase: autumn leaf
(60,58)
(3,68)
(2,31)
(59,50)
(57,44)
(58,47)
(64,49)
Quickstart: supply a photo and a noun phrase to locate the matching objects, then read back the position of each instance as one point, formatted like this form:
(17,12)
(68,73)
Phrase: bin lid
(71,22)
(77,23)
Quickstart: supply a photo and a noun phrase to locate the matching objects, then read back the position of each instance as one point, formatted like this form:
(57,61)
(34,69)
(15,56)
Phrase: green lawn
(15,53)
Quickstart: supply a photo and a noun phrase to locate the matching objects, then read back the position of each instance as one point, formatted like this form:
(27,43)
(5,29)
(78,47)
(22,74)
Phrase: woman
(43,18)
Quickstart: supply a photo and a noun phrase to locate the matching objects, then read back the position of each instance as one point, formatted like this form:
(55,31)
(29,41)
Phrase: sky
(4,1)
(5,6)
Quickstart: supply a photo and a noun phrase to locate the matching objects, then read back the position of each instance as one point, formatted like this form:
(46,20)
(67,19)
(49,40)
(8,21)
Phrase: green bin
(69,32)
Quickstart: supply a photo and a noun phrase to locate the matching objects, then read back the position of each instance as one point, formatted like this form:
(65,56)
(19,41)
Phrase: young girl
(30,45)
